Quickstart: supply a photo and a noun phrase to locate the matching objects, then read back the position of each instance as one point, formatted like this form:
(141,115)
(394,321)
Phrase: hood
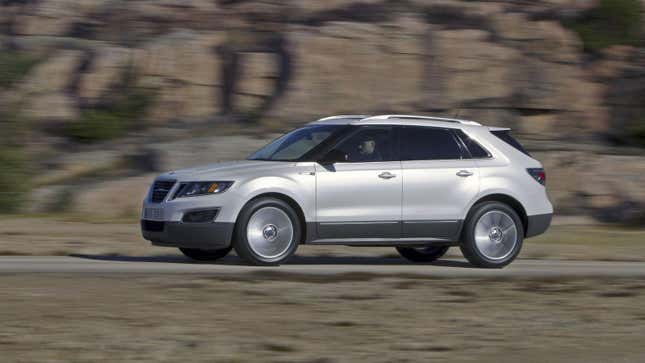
(222,170)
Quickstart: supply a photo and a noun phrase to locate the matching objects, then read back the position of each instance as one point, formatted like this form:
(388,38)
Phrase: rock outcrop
(504,63)
(500,62)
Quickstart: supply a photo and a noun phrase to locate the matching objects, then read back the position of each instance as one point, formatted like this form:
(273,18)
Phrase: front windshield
(296,144)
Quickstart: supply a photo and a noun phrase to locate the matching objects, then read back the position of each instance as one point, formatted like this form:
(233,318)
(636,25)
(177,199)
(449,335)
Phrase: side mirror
(334,156)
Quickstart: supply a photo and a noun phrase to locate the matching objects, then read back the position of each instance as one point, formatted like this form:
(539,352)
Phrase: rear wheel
(205,255)
(422,254)
(492,235)
(267,232)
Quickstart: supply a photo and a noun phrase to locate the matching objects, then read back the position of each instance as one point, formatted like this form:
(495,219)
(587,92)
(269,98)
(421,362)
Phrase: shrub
(14,179)
(14,66)
(97,125)
(14,166)
(611,22)
(636,132)
(111,121)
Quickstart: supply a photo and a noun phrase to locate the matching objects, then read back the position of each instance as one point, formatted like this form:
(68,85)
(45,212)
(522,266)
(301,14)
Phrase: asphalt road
(102,264)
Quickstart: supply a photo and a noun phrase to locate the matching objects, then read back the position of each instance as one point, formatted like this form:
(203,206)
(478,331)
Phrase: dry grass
(75,234)
(260,318)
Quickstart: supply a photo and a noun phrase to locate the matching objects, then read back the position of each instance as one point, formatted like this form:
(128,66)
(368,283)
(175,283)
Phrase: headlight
(194,189)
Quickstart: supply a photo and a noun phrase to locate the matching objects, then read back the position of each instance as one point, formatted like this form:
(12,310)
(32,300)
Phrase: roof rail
(337,117)
(430,118)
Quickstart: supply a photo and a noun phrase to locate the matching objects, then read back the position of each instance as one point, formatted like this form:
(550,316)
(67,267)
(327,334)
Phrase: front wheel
(205,255)
(267,232)
(422,254)
(492,235)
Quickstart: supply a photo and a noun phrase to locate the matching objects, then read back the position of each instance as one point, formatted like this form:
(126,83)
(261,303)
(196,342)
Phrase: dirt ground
(286,317)
(74,235)
(282,317)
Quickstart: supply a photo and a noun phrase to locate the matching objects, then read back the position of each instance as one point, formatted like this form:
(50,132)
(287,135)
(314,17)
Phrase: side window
(505,135)
(476,151)
(370,144)
(428,143)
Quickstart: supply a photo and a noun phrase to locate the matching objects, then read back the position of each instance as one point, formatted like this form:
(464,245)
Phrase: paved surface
(101,264)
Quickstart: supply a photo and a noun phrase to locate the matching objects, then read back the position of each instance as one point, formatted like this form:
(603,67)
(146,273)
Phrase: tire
(267,232)
(205,255)
(422,254)
(492,235)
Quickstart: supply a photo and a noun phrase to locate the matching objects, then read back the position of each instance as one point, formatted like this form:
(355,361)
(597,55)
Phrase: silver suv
(420,184)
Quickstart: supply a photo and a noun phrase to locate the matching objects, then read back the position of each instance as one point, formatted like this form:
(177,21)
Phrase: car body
(393,180)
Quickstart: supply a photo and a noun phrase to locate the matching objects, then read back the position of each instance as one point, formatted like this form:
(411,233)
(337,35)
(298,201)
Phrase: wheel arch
(508,200)
(287,199)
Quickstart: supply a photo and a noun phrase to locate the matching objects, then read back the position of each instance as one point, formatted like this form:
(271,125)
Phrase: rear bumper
(538,224)
(205,236)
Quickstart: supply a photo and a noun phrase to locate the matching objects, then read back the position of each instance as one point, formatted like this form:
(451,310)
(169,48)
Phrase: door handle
(386,175)
(464,173)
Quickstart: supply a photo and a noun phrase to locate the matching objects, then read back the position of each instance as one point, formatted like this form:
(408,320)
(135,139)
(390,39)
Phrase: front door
(359,195)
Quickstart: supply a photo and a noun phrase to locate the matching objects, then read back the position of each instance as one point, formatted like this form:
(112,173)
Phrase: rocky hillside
(96,70)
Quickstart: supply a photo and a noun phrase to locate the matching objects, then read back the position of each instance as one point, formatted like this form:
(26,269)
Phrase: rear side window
(476,151)
(427,143)
(505,135)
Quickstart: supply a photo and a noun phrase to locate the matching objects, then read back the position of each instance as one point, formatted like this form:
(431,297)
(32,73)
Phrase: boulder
(98,200)
(53,75)
(106,70)
(206,150)
(256,81)
(55,17)
(58,107)
(43,92)
(609,187)
(196,14)
(354,67)
(547,40)
(559,94)
(466,67)
(183,69)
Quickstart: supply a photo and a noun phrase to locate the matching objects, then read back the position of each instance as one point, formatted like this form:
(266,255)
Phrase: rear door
(439,182)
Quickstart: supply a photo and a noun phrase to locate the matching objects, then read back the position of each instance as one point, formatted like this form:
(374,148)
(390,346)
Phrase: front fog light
(200,216)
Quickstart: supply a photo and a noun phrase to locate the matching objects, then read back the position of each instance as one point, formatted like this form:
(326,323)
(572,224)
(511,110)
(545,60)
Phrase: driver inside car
(367,151)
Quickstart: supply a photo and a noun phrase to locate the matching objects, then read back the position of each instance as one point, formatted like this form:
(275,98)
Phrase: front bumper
(538,224)
(205,236)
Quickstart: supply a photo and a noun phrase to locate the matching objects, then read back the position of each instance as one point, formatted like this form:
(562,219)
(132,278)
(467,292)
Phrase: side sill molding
(380,232)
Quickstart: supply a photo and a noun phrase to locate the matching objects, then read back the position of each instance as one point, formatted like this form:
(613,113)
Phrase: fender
(492,191)
(281,185)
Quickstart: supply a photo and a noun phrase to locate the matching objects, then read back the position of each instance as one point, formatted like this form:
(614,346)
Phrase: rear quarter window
(473,148)
(505,135)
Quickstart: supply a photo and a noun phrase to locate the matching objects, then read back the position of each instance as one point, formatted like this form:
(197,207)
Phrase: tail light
(538,174)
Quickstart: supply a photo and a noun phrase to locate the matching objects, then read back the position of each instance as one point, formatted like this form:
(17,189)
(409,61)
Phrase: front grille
(154,214)
(152,226)
(160,190)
